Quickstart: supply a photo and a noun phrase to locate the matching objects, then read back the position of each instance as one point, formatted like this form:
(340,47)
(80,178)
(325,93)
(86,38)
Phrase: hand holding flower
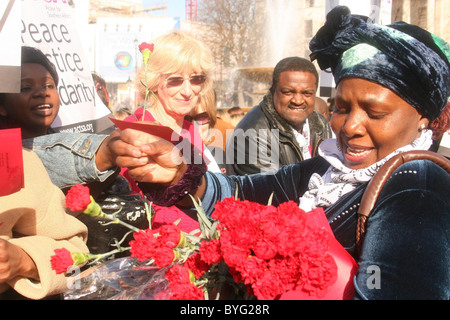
(164,163)
(113,149)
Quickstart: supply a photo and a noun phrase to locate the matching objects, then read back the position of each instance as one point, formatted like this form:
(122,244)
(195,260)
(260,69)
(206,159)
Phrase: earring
(422,127)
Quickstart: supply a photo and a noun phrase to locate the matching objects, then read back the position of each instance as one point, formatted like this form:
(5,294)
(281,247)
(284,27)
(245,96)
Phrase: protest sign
(50,26)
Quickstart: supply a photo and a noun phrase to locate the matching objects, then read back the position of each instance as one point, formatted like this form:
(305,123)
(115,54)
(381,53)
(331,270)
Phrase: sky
(175,8)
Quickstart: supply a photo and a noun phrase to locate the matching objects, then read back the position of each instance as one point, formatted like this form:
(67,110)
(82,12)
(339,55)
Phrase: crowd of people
(392,97)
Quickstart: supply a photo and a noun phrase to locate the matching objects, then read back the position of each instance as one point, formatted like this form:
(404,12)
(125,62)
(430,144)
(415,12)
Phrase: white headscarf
(325,190)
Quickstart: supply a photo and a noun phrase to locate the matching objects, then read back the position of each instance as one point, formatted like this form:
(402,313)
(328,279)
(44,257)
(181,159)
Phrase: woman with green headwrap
(392,81)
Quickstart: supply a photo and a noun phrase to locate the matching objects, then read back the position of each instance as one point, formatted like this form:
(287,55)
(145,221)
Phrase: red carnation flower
(267,286)
(196,265)
(186,292)
(210,251)
(163,256)
(178,274)
(142,247)
(78,198)
(144,45)
(251,269)
(265,249)
(169,236)
(146,50)
(233,255)
(319,275)
(61,260)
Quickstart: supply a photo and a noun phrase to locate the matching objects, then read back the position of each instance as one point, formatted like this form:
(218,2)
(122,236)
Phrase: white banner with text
(50,26)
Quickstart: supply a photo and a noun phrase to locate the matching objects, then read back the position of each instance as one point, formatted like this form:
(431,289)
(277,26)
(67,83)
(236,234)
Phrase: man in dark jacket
(284,128)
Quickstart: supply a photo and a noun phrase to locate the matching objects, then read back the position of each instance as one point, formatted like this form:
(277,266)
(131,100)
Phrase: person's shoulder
(254,118)
(318,117)
(30,157)
(422,175)
(319,123)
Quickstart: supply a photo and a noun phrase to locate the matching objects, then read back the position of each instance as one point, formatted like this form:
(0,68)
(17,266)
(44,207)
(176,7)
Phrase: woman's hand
(147,157)
(15,262)
(111,148)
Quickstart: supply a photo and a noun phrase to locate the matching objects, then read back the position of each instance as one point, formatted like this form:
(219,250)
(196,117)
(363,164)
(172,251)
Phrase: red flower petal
(145,45)
(186,292)
(210,251)
(61,261)
(142,247)
(178,274)
(163,256)
(196,265)
(169,235)
(78,198)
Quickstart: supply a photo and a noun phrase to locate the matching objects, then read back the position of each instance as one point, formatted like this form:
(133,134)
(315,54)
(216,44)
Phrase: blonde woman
(177,77)
(177,74)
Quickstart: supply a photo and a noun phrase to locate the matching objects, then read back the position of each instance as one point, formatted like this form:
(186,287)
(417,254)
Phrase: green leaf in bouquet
(205,223)
(213,234)
(148,212)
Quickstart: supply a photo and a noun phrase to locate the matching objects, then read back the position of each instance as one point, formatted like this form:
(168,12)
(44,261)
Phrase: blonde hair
(174,52)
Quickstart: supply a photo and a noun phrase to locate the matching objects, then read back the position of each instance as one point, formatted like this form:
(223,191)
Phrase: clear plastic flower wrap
(119,279)
(247,251)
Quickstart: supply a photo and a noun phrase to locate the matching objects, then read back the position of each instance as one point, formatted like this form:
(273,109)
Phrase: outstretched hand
(147,157)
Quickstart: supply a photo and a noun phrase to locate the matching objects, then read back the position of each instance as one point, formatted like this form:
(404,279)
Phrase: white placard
(50,26)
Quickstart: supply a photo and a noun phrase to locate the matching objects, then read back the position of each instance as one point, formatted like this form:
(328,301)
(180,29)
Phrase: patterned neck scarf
(304,140)
(325,190)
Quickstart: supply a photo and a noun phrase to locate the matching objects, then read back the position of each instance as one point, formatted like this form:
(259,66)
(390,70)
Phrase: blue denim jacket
(69,158)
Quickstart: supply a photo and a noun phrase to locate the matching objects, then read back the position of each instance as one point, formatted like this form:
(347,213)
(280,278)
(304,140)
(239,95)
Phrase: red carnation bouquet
(246,251)
(271,252)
